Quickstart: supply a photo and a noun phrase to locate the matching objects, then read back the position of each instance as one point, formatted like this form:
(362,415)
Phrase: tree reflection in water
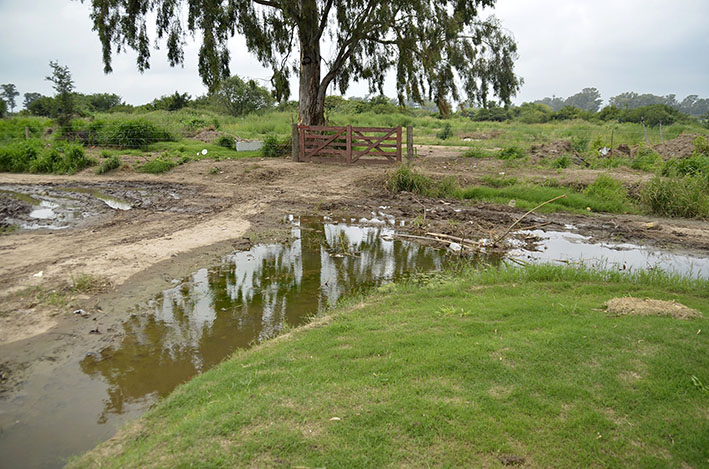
(246,299)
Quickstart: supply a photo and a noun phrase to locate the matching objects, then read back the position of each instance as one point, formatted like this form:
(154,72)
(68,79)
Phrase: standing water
(193,326)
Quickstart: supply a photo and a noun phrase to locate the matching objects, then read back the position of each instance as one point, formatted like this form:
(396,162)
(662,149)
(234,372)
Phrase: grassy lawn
(484,368)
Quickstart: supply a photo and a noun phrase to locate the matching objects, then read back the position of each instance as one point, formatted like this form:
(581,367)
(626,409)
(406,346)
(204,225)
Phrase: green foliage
(119,132)
(405,179)
(686,197)
(512,152)
(445,132)
(157,166)
(274,148)
(609,190)
(498,181)
(477,153)
(461,48)
(646,160)
(109,164)
(64,86)
(3,108)
(579,143)
(32,156)
(239,97)
(564,161)
(225,141)
(491,113)
(173,102)
(653,115)
(530,113)
(9,93)
(43,106)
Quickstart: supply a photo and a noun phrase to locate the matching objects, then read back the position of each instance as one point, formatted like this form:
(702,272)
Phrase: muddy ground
(188,218)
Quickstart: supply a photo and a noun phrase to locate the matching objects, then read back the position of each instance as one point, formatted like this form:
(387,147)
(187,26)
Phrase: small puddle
(55,208)
(572,248)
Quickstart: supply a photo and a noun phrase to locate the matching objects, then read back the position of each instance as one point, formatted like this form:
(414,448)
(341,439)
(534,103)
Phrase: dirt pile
(648,307)
(12,208)
(482,135)
(211,135)
(680,147)
(554,150)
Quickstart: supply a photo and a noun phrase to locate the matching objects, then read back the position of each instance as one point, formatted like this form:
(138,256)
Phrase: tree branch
(323,19)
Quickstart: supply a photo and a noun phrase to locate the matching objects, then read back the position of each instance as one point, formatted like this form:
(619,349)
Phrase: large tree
(435,47)
(9,92)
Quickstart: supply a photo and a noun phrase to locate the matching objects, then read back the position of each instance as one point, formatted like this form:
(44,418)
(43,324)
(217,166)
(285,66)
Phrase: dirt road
(188,218)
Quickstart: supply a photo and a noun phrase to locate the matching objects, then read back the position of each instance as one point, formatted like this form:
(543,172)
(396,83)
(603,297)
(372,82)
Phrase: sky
(647,46)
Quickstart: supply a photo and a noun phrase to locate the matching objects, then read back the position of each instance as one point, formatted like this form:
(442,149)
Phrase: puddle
(571,248)
(55,208)
(196,324)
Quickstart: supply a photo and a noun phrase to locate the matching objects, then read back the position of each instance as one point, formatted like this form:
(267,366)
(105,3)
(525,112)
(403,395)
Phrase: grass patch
(109,164)
(157,166)
(34,156)
(477,153)
(602,196)
(686,197)
(466,371)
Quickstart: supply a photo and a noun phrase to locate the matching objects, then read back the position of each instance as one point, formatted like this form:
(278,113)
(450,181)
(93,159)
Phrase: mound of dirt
(12,208)
(554,150)
(490,134)
(680,147)
(648,307)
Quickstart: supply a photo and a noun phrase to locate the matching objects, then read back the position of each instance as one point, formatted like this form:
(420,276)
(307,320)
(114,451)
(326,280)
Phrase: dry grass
(649,307)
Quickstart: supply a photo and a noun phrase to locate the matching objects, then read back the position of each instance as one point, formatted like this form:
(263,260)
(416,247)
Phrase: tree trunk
(311,108)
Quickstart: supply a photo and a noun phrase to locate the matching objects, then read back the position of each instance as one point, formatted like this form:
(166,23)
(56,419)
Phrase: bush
(445,133)
(579,143)
(646,160)
(511,153)
(31,156)
(157,166)
(136,133)
(477,153)
(225,141)
(406,179)
(563,161)
(109,164)
(686,197)
(609,190)
(273,148)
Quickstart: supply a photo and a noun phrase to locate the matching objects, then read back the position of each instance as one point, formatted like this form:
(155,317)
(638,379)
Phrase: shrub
(136,133)
(646,160)
(157,166)
(273,148)
(609,190)
(31,156)
(579,143)
(695,165)
(225,141)
(445,133)
(406,179)
(109,164)
(477,153)
(511,153)
(677,196)
(563,161)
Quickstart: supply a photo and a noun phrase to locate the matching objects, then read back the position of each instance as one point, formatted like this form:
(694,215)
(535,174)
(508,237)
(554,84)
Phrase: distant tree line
(589,99)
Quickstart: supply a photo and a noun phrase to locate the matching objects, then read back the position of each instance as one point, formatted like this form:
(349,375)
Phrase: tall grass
(35,157)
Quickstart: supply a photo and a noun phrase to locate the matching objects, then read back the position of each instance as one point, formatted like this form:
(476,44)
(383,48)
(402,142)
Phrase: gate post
(349,144)
(398,143)
(295,142)
(301,152)
(409,144)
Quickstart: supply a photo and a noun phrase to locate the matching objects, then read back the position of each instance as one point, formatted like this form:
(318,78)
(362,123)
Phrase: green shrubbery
(677,197)
(34,157)
(109,164)
(646,160)
(274,148)
(157,166)
(122,133)
(511,153)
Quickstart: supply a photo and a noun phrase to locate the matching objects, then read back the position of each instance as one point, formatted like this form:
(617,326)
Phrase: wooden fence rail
(347,144)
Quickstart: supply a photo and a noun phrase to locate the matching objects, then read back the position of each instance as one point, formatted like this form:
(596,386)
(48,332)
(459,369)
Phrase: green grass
(604,195)
(157,166)
(454,371)
(109,164)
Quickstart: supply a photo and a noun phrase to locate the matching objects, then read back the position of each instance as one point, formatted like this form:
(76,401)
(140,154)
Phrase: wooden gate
(349,144)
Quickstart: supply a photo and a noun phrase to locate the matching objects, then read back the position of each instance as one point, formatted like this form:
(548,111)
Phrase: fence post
(295,142)
(349,144)
(409,144)
(398,143)
(301,149)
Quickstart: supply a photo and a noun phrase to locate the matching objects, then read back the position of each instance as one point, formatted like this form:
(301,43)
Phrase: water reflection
(246,299)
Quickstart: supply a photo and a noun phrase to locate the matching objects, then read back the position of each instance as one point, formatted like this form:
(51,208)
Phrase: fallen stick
(454,238)
(429,238)
(500,238)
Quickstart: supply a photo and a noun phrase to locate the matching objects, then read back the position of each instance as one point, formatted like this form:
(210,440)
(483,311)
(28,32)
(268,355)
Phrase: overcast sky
(648,46)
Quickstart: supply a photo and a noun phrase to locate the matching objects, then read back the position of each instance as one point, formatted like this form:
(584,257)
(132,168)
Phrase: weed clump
(562,162)
(511,153)
(274,148)
(225,141)
(32,156)
(677,196)
(646,160)
(477,153)
(157,166)
(405,179)
(114,162)
(445,133)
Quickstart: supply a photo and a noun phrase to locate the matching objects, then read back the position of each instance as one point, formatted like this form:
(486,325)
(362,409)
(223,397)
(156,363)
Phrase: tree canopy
(439,49)
(9,93)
